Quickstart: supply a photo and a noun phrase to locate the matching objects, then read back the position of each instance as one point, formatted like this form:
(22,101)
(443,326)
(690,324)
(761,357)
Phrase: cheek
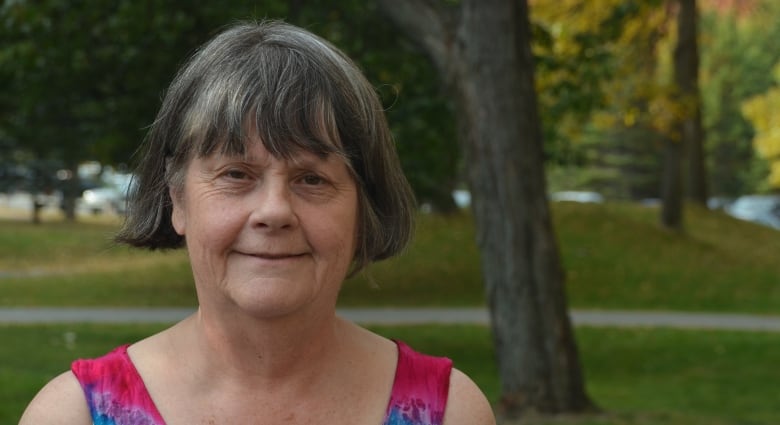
(207,225)
(209,240)
(340,235)
(215,227)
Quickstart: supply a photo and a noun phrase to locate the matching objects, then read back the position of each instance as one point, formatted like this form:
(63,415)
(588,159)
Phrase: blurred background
(80,81)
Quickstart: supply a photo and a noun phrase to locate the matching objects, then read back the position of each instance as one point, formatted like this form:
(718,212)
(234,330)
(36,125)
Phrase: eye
(312,180)
(236,174)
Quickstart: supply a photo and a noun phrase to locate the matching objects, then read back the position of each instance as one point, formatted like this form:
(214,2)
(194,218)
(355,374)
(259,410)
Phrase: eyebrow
(300,158)
(312,159)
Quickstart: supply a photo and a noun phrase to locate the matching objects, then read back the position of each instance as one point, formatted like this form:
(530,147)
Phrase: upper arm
(61,401)
(466,404)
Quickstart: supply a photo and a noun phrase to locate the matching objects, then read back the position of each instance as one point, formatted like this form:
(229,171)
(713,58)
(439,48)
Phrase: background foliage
(82,80)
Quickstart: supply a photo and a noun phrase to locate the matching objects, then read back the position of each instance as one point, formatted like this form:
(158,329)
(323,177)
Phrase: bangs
(274,95)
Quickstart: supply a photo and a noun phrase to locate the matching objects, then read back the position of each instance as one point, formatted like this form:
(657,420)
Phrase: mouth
(273,256)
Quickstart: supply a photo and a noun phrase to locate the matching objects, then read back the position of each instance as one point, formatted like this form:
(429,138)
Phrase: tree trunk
(488,66)
(688,137)
(686,73)
(71,190)
(671,186)
(37,206)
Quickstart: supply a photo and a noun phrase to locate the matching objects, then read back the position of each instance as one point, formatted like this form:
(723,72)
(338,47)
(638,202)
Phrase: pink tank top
(116,394)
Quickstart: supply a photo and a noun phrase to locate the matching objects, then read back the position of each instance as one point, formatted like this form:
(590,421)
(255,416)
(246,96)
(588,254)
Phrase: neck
(243,350)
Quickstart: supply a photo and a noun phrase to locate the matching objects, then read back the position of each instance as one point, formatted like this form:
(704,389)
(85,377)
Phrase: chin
(275,301)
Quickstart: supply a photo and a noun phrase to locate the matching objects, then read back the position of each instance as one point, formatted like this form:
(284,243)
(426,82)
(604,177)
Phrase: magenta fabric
(116,394)
(420,389)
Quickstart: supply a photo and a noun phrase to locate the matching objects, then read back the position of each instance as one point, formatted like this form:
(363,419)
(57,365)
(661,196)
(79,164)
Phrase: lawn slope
(615,256)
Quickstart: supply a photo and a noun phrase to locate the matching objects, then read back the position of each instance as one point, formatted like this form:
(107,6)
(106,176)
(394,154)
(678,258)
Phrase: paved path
(609,318)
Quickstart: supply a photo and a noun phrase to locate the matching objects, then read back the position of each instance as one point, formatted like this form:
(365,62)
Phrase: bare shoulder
(61,401)
(466,404)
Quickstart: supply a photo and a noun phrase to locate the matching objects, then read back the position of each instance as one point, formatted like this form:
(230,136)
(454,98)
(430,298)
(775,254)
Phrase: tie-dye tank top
(116,394)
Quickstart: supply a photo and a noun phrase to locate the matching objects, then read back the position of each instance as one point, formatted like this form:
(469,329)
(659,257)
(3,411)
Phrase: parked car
(108,198)
(762,209)
(577,196)
(100,200)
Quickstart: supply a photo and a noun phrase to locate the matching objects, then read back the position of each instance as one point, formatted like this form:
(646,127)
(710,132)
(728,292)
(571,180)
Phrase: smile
(273,256)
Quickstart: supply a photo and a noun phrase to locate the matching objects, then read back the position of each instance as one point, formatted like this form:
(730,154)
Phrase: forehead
(256,152)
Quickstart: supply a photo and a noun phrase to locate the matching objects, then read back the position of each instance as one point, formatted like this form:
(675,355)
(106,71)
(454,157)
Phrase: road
(402,316)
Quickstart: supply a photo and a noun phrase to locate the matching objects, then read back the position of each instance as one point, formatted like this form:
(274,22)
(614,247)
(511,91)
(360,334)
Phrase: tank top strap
(420,389)
(114,390)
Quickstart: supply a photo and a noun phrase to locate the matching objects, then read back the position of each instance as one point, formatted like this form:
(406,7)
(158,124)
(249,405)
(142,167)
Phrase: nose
(272,206)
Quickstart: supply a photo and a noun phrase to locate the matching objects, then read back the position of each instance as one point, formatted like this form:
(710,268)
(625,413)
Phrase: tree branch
(427,24)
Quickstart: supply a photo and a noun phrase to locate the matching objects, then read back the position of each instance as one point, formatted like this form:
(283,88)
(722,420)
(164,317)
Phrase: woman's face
(267,235)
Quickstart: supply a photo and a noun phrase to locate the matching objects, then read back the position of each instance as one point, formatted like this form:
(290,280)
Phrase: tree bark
(483,52)
(71,190)
(686,71)
(37,206)
(671,186)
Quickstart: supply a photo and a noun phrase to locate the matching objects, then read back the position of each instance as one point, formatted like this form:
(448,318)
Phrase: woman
(271,161)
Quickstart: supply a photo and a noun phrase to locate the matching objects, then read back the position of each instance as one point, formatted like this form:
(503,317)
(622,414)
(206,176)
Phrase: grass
(60,263)
(615,256)
(639,376)
(39,353)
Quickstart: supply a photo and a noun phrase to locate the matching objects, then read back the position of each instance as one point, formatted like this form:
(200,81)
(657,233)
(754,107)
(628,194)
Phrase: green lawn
(615,256)
(638,377)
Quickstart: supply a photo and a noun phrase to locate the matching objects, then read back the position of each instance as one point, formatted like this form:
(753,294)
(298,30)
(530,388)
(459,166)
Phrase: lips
(276,256)
(272,255)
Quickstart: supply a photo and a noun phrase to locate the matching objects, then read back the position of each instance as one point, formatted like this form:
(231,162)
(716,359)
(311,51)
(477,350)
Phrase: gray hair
(298,92)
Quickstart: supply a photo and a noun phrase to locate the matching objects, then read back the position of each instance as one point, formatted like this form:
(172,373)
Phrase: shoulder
(466,404)
(435,376)
(61,401)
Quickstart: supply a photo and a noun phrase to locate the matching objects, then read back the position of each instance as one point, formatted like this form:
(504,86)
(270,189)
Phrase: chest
(358,408)
(412,393)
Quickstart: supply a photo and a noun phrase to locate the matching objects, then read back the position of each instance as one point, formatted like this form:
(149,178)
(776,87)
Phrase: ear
(178,218)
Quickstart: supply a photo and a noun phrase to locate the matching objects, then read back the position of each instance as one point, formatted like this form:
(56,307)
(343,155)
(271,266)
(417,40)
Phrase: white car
(101,200)
(761,209)
(111,198)
(577,196)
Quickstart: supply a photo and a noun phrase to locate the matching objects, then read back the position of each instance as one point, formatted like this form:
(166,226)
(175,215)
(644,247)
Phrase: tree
(608,46)
(84,86)
(573,46)
(762,110)
(86,78)
(686,138)
(481,49)
(738,51)
(686,72)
